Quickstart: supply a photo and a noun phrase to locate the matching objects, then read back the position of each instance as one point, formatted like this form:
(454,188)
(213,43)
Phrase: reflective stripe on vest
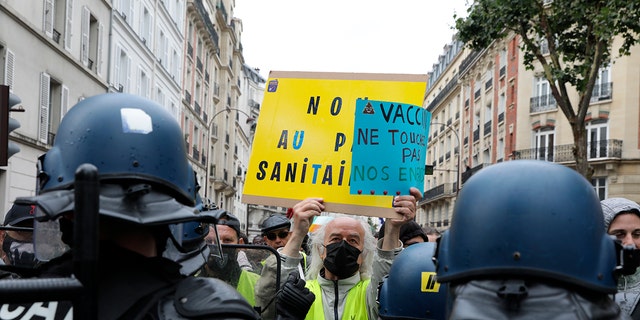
(355,307)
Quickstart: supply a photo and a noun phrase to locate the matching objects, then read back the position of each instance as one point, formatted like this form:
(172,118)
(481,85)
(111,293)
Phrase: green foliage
(579,32)
(578,35)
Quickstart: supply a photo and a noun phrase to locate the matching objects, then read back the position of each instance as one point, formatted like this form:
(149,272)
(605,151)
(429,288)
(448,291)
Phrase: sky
(372,36)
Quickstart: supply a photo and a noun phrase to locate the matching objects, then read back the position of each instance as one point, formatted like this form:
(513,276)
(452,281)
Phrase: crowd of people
(528,240)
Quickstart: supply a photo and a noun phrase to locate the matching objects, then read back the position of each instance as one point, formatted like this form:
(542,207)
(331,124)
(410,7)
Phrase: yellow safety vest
(355,307)
(246,286)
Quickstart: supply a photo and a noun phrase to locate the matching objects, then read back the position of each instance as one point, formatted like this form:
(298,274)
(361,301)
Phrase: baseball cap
(19,213)
(231,221)
(611,207)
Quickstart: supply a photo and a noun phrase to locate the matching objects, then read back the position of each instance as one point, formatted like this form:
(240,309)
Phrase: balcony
(596,150)
(542,103)
(446,190)
(216,93)
(487,128)
(56,36)
(476,95)
(488,84)
(469,172)
(204,15)
(199,64)
(195,153)
(442,94)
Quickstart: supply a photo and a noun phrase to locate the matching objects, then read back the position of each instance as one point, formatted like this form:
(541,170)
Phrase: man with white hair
(343,274)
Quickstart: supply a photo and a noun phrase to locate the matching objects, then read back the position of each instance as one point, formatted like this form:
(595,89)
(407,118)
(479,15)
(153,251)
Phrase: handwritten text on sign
(389,148)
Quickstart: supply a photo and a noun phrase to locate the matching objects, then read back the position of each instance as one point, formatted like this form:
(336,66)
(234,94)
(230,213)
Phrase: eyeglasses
(282,235)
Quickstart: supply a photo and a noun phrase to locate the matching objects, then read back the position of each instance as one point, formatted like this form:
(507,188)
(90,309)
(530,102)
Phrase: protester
(227,267)
(346,264)
(410,233)
(527,241)
(17,244)
(432,233)
(146,184)
(275,231)
(622,220)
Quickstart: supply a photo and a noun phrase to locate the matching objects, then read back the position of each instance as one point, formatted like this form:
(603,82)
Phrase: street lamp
(449,127)
(228,109)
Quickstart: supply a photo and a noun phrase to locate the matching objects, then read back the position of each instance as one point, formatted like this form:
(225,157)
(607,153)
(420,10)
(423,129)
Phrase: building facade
(508,112)
(53,54)
(184,54)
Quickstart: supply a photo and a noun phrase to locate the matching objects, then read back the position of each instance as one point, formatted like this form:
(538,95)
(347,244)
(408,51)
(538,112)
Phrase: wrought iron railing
(596,150)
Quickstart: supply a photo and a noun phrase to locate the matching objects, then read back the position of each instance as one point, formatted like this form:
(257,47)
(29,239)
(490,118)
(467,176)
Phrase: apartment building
(508,113)
(221,102)
(184,54)
(53,54)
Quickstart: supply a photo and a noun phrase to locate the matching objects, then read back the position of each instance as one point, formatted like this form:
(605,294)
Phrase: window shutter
(116,67)
(9,69)
(47,18)
(99,53)
(68,25)
(64,101)
(45,80)
(84,50)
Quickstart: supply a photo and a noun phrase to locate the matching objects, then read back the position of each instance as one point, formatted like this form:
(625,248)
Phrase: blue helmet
(411,291)
(125,137)
(139,151)
(528,218)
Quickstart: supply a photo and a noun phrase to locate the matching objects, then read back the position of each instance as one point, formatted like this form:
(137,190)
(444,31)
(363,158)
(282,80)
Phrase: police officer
(227,266)
(146,184)
(411,290)
(527,241)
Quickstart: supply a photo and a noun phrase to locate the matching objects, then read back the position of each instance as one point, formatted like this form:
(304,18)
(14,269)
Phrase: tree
(579,36)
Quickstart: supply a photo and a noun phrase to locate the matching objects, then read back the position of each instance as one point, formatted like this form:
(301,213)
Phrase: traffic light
(428,170)
(7,101)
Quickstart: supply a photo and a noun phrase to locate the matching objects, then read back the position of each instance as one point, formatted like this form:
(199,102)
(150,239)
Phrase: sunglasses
(282,235)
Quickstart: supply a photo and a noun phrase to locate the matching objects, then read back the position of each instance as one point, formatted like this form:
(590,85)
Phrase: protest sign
(353,139)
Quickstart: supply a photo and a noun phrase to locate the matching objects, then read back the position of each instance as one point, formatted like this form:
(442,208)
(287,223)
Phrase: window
(503,62)
(597,139)
(600,186)
(146,26)
(54,103)
(602,88)
(544,46)
(502,103)
(122,67)
(500,150)
(543,144)
(543,99)
(91,42)
(143,83)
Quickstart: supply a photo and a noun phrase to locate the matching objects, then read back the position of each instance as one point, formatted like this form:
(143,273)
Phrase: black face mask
(225,268)
(342,259)
(20,253)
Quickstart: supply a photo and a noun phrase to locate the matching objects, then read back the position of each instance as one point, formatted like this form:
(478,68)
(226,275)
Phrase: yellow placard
(303,139)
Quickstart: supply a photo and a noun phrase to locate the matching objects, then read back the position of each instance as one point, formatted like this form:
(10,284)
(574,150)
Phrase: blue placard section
(389,147)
